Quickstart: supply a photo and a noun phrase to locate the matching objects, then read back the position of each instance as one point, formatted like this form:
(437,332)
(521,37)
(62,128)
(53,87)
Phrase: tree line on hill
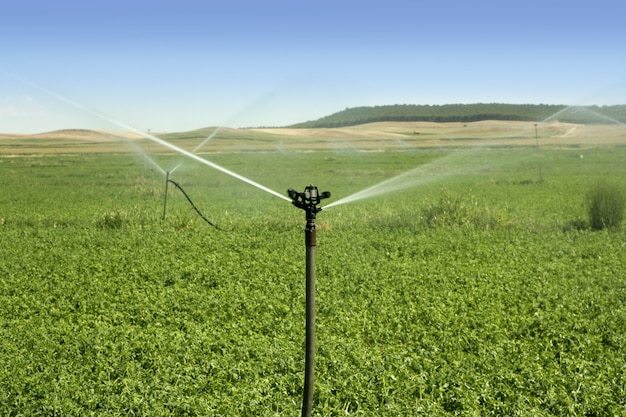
(470,113)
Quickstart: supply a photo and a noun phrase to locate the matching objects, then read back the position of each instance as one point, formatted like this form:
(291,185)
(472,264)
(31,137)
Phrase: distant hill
(85,135)
(470,113)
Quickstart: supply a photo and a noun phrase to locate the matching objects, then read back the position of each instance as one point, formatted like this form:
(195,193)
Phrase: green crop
(467,295)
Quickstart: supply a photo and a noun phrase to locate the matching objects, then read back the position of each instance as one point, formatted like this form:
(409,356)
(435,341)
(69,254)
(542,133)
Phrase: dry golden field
(367,137)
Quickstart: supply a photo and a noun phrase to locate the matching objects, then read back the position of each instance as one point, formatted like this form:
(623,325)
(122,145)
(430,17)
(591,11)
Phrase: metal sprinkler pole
(308,201)
(309,356)
(167,181)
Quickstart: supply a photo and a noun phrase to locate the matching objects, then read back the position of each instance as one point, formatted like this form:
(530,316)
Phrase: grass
(606,205)
(415,316)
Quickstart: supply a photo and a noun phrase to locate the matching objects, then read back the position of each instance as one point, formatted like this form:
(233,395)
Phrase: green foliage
(606,202)
(111,220)
(461,211)
(468,315)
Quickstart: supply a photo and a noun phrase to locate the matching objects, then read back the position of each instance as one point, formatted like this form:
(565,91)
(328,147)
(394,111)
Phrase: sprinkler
(167,181)
(177,185)
(308,201)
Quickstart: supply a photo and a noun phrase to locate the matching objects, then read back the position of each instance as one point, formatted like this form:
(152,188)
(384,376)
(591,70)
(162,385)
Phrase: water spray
(154,139)
(309,201)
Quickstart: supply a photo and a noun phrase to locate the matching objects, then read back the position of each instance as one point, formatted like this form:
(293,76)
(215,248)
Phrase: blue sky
(187,64)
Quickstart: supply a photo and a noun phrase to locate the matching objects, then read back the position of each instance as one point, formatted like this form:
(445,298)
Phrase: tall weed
(458,210)
(606,202)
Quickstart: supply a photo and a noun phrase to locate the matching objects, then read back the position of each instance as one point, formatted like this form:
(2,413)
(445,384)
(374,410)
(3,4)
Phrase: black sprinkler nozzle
(308,200)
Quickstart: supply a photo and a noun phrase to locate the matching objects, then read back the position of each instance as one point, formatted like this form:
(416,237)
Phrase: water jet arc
(158,140)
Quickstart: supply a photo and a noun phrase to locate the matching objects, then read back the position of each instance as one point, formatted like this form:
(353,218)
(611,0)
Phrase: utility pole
(538,161)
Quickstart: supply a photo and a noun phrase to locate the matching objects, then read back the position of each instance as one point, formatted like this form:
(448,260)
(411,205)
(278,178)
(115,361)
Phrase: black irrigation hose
(192,204)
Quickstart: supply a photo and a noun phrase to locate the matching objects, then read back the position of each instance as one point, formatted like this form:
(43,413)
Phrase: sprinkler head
(308,200)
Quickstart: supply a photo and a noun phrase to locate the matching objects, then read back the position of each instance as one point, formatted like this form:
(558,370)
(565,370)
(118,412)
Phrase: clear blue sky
(186,64)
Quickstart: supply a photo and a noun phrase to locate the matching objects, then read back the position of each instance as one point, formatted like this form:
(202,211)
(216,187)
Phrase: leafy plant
(413,318)
(111,220)
(606,202)
(460,210)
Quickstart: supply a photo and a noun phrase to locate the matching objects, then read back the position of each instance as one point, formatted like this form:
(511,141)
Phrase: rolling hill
(470,113)
(362,128)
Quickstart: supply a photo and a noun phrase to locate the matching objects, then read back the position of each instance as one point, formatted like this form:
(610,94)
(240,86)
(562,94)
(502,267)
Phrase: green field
(474,289)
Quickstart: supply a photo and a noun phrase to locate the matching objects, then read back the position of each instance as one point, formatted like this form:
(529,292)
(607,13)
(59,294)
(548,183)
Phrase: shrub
(111,220)
(606,206)
(457,210)
(576,224)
